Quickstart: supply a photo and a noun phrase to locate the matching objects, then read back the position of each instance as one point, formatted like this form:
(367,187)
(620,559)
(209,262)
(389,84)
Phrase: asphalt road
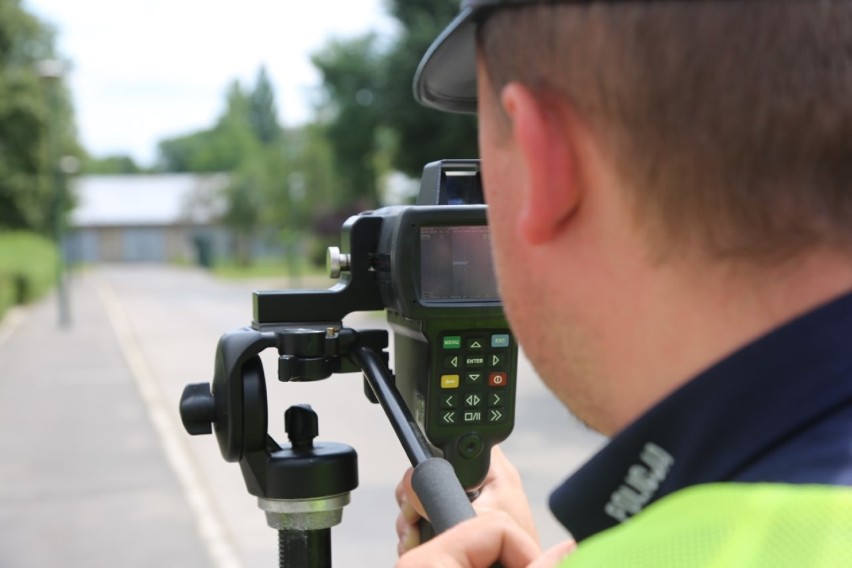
(159,326)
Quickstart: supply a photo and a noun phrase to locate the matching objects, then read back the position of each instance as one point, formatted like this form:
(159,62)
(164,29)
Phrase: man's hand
(501,491)
(476,543)
(503,530)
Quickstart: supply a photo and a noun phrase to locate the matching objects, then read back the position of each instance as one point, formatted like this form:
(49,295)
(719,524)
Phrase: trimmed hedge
(27,268)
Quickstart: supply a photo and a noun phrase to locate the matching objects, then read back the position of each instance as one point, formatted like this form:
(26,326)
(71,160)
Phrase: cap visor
(446,77)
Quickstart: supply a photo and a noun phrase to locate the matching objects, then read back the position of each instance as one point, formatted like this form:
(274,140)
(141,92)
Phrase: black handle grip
(441,494)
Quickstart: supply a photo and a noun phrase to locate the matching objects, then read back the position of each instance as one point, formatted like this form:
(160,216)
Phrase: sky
(145,70)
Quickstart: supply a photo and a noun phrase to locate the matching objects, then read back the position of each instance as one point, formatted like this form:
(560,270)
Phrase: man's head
(621,140)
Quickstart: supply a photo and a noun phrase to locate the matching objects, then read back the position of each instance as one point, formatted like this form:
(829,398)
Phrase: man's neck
(694,317)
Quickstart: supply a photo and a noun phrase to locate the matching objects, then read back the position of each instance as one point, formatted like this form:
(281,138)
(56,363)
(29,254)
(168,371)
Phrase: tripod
(303,485)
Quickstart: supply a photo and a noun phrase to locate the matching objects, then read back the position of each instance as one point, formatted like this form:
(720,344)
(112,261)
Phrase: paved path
(95,469)
(83,481)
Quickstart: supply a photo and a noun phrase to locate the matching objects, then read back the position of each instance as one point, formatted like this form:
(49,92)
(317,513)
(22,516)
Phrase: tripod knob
(302,426)
(197,409)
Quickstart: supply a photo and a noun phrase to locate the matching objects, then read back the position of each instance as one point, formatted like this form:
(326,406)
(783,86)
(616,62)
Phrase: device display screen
(456,265)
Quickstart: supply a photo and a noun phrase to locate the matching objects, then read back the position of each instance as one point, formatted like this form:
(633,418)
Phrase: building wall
(110,242)
(145,244)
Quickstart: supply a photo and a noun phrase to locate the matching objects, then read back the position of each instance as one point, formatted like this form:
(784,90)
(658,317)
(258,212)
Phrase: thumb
(407,499)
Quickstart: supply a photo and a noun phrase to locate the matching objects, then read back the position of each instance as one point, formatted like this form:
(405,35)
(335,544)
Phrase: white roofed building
(148,218)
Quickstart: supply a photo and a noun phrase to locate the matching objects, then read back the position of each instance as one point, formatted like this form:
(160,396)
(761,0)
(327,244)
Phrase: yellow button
(450,381)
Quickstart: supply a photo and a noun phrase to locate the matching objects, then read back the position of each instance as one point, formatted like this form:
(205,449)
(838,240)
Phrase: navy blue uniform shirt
(777,410)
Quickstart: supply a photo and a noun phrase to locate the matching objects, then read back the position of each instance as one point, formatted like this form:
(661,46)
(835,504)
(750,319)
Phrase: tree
(262,112)
(114,164)
(350,72)
(249,162)
(368,92)
(244,196)
(219,149)
(36,124)
(422,135)
(247,141)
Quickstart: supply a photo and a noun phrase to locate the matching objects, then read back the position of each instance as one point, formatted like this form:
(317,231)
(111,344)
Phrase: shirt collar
(717,424)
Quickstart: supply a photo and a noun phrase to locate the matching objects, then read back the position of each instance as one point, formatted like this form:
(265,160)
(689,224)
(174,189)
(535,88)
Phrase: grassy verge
(267,268)
(27,268)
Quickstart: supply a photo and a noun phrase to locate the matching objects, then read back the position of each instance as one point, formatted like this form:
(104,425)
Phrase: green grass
(268,268)
(27,268)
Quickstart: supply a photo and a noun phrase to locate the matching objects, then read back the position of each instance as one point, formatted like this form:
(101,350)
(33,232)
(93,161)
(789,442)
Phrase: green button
(452,342)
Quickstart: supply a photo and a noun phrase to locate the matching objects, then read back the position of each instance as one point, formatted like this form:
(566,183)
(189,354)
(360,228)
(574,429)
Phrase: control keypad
(482,362)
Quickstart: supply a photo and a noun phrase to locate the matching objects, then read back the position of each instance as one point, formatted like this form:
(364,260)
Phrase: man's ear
(551,192)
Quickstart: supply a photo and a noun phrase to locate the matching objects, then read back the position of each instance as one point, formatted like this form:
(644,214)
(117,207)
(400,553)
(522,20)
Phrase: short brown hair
(732,120)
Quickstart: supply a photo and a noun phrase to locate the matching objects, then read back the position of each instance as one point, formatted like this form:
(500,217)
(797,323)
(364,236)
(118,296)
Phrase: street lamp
(296,189)
(51,72)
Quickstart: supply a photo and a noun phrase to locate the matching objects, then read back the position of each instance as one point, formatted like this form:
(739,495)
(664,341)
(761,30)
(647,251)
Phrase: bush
(7,294)
(27,268)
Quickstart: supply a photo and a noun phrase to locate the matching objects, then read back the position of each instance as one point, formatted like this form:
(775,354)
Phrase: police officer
(670,190)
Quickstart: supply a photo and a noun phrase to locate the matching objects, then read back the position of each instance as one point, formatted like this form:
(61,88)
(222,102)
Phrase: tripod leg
(304,549)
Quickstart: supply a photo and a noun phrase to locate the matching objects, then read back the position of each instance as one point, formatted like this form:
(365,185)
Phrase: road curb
(211,529)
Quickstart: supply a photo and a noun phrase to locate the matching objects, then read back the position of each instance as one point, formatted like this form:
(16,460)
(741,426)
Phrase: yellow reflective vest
(731,525)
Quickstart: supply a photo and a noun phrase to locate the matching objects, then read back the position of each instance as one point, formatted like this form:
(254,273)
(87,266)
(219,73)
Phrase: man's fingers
(408,537)
(408,512)
(407,522)
(554,555)
(404,482)
(406,497)
(476,543)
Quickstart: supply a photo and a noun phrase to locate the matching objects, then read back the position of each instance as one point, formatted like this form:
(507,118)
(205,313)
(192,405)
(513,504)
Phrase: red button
(498,379)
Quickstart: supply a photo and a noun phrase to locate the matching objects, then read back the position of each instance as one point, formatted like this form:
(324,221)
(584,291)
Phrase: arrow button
(495,415)
(449,418)
(473,378)
(473,400)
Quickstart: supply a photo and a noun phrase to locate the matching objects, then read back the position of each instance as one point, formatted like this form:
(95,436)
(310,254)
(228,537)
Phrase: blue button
(500,340)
